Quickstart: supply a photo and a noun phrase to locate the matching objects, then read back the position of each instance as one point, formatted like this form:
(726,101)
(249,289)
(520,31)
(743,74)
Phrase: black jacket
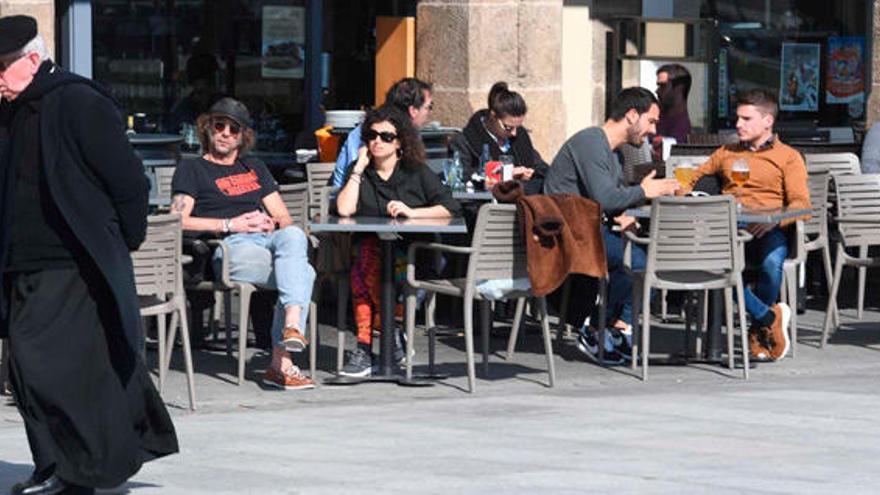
(413,184)
(94,178)
(469,145)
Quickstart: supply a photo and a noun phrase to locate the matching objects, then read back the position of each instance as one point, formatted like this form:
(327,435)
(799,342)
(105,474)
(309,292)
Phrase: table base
(418,381)
(684,359)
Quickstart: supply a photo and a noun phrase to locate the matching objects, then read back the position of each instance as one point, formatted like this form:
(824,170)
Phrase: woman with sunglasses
(390,178)
(500,128)
(226,193)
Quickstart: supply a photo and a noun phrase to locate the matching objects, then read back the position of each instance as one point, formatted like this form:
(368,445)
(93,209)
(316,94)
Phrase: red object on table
(493,173)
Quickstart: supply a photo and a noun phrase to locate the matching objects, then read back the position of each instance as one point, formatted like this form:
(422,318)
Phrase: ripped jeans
(278,260)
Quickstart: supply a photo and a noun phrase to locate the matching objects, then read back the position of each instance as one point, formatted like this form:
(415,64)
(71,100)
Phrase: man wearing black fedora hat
(73,204)
(227,193)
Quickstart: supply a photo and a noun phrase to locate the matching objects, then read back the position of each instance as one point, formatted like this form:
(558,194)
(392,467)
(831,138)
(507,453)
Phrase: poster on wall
(799,77)
(845,78)
(284,38)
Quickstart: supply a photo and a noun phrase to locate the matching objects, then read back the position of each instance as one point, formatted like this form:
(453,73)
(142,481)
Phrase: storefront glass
(166,61)
(812,54)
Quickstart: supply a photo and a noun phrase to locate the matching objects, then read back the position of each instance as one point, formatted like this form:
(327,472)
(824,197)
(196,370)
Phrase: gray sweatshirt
(586,165)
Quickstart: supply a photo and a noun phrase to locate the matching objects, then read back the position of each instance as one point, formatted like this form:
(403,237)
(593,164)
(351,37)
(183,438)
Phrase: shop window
(812,54)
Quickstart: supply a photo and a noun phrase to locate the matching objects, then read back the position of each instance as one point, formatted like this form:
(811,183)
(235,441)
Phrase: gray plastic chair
(810,235)
(296,198)
(496,252)
(163,177)
(634,155)
(317,176)
(693,246)
(835,163)
(858,208)
(670,164)
(335,245)
(296,195)
(842,164)
(158,278)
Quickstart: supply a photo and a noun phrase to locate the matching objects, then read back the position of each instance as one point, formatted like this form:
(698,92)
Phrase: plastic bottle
(455,181)
(485,157)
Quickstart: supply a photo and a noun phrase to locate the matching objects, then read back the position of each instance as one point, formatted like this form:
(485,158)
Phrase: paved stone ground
(804,425)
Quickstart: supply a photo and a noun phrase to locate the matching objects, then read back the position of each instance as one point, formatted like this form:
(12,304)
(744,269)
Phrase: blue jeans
(767,254)
(620,283)
(274,261)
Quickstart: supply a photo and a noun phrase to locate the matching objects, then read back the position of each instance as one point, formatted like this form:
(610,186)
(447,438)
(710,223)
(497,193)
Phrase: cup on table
(684,173)
(739,173)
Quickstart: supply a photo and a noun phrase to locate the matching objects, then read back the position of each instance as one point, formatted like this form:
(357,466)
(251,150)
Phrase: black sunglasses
(507,128)
(220,125)
(370,135)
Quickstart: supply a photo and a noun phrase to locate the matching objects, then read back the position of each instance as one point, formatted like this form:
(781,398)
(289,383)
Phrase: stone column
(873,110)
(464,46)
(42,10)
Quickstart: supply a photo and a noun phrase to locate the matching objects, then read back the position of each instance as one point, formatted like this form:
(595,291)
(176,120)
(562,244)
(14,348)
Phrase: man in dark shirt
(73,200)
(587,165)
(227,193)
(673,87)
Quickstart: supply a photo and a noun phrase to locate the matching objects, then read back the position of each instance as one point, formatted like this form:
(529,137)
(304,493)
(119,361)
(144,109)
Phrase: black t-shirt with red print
(223,191)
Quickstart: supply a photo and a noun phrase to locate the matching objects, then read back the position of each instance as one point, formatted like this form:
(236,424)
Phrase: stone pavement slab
(804,425)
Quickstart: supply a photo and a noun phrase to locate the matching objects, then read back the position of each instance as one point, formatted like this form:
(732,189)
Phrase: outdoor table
(866,219)
(744,215)
(388,230)
(472,196)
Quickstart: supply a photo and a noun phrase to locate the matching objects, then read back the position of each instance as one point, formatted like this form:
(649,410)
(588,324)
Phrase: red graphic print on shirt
(236,185)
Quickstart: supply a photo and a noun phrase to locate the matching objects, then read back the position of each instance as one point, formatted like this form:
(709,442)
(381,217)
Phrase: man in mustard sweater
(777,178)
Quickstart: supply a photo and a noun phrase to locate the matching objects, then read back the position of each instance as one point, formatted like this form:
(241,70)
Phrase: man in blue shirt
(412,96)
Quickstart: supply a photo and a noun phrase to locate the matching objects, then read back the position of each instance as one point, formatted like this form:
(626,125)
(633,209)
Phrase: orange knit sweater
(777,176)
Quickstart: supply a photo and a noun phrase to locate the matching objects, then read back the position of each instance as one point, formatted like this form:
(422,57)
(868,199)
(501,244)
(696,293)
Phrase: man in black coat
(73,198)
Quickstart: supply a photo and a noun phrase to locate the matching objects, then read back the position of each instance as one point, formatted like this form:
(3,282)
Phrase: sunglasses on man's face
(220,125)
(370,135)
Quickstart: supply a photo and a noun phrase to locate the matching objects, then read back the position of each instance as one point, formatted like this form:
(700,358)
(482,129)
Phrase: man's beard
(221,153)
(634,135)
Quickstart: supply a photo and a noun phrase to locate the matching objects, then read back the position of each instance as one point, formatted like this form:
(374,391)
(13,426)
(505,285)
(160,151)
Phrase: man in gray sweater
(587,165)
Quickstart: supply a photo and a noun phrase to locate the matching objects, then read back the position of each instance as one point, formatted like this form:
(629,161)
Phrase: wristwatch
(227,224)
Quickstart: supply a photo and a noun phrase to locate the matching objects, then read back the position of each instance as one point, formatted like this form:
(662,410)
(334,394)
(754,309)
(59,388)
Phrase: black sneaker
(622,342)
(360,364)
(588,344)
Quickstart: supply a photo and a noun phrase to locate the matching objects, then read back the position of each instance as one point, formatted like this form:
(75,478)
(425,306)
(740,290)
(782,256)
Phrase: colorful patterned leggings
(366,283)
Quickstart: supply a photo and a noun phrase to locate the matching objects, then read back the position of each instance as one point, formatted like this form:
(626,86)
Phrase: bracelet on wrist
(227,225)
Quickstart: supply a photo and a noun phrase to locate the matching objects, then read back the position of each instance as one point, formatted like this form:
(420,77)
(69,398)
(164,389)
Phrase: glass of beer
(684,173)
(739,173)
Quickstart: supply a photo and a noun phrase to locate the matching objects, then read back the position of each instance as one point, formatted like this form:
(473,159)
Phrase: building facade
(289,60)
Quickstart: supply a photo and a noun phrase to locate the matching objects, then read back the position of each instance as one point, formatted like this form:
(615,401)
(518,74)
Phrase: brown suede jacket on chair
(561,233)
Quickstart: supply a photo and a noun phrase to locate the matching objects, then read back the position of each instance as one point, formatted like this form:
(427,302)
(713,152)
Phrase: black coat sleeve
(100,134)
(436,193)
